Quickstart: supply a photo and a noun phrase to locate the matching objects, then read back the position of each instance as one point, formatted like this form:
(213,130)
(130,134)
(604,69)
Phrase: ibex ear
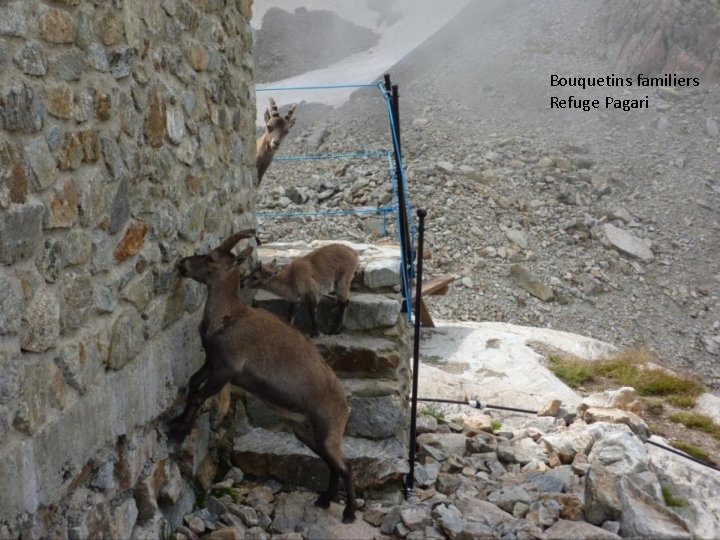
(233,239)
(243,255)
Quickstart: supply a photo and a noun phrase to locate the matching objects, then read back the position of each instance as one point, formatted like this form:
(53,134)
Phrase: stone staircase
(371,357)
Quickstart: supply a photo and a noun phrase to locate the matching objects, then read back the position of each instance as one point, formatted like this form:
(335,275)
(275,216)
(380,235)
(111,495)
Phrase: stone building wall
(668,36)
(126,142)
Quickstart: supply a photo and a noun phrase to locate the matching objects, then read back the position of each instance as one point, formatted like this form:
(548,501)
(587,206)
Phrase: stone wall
(668,36)
(126,142)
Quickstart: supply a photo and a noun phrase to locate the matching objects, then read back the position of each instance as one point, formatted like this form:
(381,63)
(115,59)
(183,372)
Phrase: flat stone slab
(529,283)
(375,464)
(628,243)
(497,364)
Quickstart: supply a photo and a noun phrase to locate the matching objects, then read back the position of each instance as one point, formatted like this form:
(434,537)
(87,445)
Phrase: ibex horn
(288,116)
(244,254)
(273,108)
(233,239)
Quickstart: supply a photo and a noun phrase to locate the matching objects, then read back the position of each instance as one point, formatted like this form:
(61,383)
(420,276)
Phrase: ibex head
(217,264)
(276,126)
(260,275)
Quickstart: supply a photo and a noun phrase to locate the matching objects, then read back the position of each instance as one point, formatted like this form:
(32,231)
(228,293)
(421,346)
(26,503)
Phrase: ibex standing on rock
(307,278)
(258,352)
(276,128)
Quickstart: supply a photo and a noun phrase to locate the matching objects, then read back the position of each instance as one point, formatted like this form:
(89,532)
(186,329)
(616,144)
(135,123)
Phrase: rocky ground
(616,214)
(547,477)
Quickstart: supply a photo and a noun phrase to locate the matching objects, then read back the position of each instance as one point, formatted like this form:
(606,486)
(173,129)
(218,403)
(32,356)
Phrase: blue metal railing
(401,206)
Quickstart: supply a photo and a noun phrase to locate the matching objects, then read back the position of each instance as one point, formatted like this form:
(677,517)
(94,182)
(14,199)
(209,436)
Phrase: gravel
(508,181)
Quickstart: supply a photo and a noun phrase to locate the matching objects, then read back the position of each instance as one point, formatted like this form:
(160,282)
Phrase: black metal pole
(410,480)
(388,86)
(396,113)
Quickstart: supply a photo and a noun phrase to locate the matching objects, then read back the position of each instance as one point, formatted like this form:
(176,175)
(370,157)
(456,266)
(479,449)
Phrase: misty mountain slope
(509,181)
(291,43)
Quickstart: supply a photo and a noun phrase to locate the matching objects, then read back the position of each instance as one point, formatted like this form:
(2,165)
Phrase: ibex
(257,351)
(276,128)
(307,278)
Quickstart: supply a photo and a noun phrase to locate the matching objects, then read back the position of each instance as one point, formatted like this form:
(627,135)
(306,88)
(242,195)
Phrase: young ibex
(260,353)
(276,128)
(307,278)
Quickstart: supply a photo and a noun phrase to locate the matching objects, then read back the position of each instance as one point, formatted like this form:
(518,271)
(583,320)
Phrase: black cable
(479,405)
(686,456)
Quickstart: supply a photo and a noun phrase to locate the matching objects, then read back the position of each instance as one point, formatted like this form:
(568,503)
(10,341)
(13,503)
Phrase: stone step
(378,409)
(264,453)
(363,356)
(365,311)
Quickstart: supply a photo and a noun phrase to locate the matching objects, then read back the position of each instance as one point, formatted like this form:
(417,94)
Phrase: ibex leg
(330,450)
(340,320)
(342,288)
(313,308)
(196,380)
(292,311)
(203,384)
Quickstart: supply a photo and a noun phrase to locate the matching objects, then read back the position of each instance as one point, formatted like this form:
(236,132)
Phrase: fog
(410,23)
(569,119)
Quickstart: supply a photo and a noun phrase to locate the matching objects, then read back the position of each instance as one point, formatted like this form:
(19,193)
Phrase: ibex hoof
(348,516)
(322,502)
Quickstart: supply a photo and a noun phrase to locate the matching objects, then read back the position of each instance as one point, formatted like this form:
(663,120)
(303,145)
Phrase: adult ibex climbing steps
(257,351)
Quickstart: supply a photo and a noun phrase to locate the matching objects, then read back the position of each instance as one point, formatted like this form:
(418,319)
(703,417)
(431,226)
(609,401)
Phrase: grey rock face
(369,311)
(22,109)
(126,340)
(375,417)
(11,302)
(564,528)
(382,273)
(31,59)
(14,19)
(643,517)
(619,454)
(20,231)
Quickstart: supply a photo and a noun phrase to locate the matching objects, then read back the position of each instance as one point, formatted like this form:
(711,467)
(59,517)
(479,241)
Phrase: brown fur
(258,352)
(276,129)
(308,278)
